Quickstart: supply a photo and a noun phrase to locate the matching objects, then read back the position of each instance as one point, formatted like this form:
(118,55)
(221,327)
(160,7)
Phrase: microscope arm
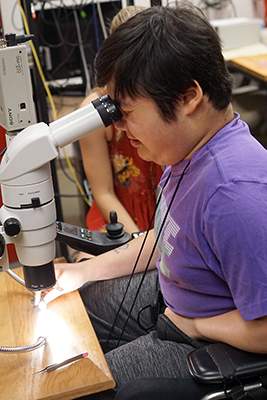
(40,143)
(28,214)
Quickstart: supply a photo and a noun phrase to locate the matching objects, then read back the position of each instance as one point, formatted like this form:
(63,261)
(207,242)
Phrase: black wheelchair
(218,371)
(241,374)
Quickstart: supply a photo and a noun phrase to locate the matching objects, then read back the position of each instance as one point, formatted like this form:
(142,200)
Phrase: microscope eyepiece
(107,109)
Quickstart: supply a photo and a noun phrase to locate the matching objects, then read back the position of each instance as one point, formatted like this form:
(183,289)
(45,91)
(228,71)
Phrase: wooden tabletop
(254,65)
(69,332)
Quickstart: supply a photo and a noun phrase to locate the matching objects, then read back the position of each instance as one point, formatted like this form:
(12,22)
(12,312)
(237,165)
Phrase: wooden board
(69,332)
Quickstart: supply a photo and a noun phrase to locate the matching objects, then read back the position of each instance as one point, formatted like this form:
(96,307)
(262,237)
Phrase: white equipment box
(238,32)
(15,111)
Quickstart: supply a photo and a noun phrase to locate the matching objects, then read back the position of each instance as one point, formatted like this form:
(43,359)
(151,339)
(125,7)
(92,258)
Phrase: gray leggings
(138,353)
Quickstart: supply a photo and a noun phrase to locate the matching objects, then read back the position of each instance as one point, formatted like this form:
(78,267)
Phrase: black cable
(41,18)
(68,10)
(136,262)
(61,22)
(57,23)
(66,59)
(3,151)
(151,254)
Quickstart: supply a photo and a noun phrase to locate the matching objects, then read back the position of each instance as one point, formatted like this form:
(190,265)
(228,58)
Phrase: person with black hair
(207,253)
(119,179)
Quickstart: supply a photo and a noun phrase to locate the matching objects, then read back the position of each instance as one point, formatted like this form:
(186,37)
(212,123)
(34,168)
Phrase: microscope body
(28,214)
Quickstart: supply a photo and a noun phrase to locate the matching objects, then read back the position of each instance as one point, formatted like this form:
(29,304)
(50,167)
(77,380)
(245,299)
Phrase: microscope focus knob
(12,227)
(114,228)
(2,245)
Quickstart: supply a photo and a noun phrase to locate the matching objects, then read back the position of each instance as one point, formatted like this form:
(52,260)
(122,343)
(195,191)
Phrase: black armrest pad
(219,362)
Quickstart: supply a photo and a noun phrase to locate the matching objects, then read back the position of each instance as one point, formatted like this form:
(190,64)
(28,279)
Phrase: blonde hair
(124,15)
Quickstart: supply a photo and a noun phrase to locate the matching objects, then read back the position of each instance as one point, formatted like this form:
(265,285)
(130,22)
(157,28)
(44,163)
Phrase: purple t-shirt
(213,246)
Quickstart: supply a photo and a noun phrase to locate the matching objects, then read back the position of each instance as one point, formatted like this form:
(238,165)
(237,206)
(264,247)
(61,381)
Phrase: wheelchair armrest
(220,362)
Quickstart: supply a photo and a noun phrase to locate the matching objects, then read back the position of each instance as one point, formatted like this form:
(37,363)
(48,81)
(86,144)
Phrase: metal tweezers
(53,367)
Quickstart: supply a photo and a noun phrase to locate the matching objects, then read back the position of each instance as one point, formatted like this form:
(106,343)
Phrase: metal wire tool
(55,366)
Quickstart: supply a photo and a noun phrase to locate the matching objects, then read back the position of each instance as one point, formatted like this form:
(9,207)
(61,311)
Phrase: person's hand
(69,277)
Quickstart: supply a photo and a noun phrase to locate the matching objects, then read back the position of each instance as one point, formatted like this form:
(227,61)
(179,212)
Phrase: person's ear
(192,98)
